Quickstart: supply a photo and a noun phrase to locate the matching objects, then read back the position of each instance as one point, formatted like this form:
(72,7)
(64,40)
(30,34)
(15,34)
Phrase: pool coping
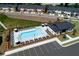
(18,33)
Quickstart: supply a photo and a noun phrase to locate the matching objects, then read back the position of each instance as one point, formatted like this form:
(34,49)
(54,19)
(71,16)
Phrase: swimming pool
(29,34)
(33,34)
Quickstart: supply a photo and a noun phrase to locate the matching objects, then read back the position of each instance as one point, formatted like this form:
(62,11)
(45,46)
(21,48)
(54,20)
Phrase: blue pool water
(36,33)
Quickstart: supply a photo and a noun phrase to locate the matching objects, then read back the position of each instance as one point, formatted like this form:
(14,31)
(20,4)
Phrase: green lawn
(12,22)
(76,24)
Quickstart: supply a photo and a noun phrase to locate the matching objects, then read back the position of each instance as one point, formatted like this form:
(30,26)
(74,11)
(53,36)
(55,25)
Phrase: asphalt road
(50,49)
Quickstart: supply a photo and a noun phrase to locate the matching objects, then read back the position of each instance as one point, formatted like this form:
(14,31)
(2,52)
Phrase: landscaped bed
(62,38)
(71,34)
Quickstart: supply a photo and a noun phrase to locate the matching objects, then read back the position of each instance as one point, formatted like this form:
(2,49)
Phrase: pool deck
(17,34)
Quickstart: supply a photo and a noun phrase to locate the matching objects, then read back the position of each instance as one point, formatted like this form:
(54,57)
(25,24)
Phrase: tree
(36,3)
(46,8)
(61,4)
(58,20)
(74,31)
(66,4)
(76,5)
(0,40)
(64,36)
(17,5)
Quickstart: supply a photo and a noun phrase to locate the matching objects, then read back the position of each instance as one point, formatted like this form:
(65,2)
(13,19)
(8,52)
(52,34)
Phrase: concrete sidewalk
(3,25)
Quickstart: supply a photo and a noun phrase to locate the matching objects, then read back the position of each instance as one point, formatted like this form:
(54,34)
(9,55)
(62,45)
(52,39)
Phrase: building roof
(6,5)
(26,6)
(68,9)
(61,26)
(31,6)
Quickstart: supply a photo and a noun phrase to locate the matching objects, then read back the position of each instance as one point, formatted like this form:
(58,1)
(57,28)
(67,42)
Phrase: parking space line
(51,46)
(35,51)
(17,54)
(26,52)
(57,47)
(41,50)
(29,52)
(23,53)
(46,48)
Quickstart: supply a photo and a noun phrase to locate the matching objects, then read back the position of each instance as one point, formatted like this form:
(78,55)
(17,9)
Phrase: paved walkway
(68,36)
(3,25)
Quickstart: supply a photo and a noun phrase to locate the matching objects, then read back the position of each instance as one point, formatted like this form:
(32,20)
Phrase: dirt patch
(34,18)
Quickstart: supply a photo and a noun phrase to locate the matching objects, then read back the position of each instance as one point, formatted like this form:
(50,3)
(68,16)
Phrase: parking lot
(50,49)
